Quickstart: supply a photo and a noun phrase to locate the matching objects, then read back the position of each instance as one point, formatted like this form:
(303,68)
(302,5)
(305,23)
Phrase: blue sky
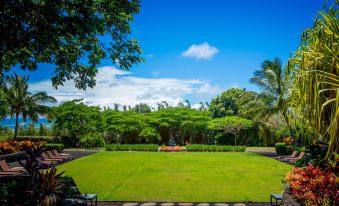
(195,49)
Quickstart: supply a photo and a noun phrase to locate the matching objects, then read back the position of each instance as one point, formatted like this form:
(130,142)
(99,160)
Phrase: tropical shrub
(52,146)
(9,146)
(283,149)
(316,79)
(50,187)
(92,140)
(214,148)
(314,186)
(131,147)
(6,148)
(315,155)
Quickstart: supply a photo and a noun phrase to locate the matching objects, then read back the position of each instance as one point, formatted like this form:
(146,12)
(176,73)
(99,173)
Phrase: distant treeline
(210,124)
(231,118)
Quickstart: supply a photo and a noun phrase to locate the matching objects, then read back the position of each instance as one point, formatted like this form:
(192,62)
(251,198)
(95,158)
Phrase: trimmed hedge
(283,149)
(214,148)
(131,147)
(58,147)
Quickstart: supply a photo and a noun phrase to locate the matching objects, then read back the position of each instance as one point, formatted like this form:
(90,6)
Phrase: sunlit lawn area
(155,176)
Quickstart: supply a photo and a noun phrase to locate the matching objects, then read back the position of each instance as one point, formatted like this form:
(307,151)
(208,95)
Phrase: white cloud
(200,51)
(117,86)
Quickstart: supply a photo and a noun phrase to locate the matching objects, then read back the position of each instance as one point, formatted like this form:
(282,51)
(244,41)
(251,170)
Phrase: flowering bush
(314,186)
(172,149)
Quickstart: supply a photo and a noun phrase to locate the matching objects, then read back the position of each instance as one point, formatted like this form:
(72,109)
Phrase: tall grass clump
(214,148)
(131,147)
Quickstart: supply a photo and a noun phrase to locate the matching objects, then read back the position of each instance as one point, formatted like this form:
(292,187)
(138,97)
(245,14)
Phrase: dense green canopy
(62,33)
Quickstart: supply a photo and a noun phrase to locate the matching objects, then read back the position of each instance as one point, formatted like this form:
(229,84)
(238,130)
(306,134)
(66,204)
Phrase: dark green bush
(315,155)
(214,148)
(52,146)
(283,149)
(131,147)
(92,140)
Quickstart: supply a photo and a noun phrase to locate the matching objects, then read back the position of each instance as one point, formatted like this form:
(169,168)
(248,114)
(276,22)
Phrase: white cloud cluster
(116,86)
(200,51)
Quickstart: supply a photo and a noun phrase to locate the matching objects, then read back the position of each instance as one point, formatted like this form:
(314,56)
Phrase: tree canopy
(62,33)
(230,124)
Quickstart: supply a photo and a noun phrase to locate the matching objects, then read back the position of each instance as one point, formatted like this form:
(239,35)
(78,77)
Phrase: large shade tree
(62,33)
(230,125)
(73,119)
(21,102)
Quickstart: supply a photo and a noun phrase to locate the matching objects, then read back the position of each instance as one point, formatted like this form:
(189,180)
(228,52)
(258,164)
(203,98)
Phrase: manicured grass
(183,176)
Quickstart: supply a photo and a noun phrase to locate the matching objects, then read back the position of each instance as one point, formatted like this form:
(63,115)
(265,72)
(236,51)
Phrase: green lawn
(159,176)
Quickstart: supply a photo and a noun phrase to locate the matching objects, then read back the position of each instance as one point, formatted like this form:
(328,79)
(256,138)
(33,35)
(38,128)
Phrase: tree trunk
(16,125)
(235,139)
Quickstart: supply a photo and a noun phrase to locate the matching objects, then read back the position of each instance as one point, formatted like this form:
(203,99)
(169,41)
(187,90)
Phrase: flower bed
(172,149)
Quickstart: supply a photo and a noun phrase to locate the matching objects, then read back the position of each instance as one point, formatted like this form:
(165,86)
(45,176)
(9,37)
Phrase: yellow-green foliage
(316,73)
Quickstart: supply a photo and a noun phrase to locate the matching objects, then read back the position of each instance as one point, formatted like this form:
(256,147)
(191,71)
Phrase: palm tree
(21,102)
(272,80)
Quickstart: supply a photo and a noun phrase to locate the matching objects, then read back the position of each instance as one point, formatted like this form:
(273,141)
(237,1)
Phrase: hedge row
(51,146)
(131,147)
(283,149)
(214,148)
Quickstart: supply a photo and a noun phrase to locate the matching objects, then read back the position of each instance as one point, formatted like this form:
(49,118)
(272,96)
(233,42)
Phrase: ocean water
(11,122)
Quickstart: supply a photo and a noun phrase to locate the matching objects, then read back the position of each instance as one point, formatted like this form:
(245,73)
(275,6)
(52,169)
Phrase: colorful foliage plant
(313,185)
(9,147)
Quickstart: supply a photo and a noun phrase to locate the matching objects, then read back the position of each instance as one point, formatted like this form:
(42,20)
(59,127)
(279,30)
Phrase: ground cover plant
(184,176)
